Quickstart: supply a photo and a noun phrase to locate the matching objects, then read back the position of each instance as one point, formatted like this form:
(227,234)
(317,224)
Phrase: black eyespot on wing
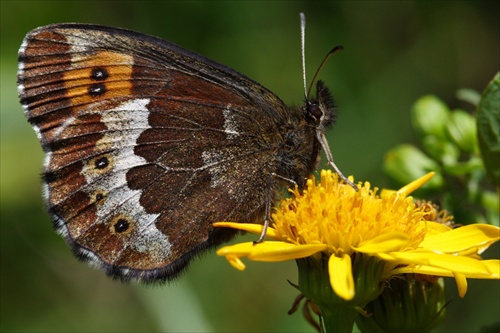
(102,163)
(97,89)
(121,226)
(99,74)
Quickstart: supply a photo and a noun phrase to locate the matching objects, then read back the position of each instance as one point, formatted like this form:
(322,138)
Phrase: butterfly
(147,144)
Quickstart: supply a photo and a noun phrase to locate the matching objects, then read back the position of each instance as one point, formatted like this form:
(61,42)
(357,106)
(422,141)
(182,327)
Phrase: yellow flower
(334,220)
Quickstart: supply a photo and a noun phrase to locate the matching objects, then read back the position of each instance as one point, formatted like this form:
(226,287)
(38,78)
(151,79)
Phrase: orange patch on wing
(78,79)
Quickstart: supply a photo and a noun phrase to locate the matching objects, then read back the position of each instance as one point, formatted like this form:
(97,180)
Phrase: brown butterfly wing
(146,144)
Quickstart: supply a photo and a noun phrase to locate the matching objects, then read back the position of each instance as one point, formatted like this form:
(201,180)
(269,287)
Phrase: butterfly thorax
(298,153)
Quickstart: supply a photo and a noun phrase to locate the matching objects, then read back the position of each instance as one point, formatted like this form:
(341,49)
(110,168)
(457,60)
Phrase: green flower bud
(445,152)
(406,305)
(406,163)
(429,116)
(469,95)
(462,130)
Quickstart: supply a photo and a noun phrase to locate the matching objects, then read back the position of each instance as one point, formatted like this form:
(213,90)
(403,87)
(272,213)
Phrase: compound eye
(314,111)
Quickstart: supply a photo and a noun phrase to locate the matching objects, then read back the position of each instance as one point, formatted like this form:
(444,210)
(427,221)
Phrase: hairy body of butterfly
(148,144)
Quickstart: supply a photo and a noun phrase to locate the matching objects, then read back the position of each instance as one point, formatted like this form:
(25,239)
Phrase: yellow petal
(419,269)
(236,262)
(279,251)
(493,266)
(463,238)
(239,250)
(461,284)
(407,189)
(434,228)
(384,243)
(460,278)
(340,270)
(270,251)
(249,227)
(448,262)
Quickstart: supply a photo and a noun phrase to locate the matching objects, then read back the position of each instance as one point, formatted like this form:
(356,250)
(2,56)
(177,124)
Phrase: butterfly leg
(324,144)
(268,209)
(269,203)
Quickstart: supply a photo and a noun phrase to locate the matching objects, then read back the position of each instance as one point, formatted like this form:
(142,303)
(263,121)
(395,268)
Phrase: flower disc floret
(342,218)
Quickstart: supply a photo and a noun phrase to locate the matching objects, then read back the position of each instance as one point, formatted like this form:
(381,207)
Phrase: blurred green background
(394,53)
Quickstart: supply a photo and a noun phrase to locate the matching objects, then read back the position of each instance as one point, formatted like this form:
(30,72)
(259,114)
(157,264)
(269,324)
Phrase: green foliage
(488,124)
(461,149)
(406,163)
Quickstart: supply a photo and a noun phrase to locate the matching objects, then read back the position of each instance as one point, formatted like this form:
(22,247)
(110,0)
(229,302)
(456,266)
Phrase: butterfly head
(321,110)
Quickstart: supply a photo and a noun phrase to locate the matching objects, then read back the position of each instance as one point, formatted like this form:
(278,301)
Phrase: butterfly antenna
(307,92)
(328,55)
(303,49)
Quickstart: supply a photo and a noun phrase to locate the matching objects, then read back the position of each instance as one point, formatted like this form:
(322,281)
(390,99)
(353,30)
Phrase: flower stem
(338,319)
(338,314)
(314,283)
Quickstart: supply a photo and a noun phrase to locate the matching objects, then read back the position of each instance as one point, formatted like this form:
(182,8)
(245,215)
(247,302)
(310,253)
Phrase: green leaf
(488,128)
